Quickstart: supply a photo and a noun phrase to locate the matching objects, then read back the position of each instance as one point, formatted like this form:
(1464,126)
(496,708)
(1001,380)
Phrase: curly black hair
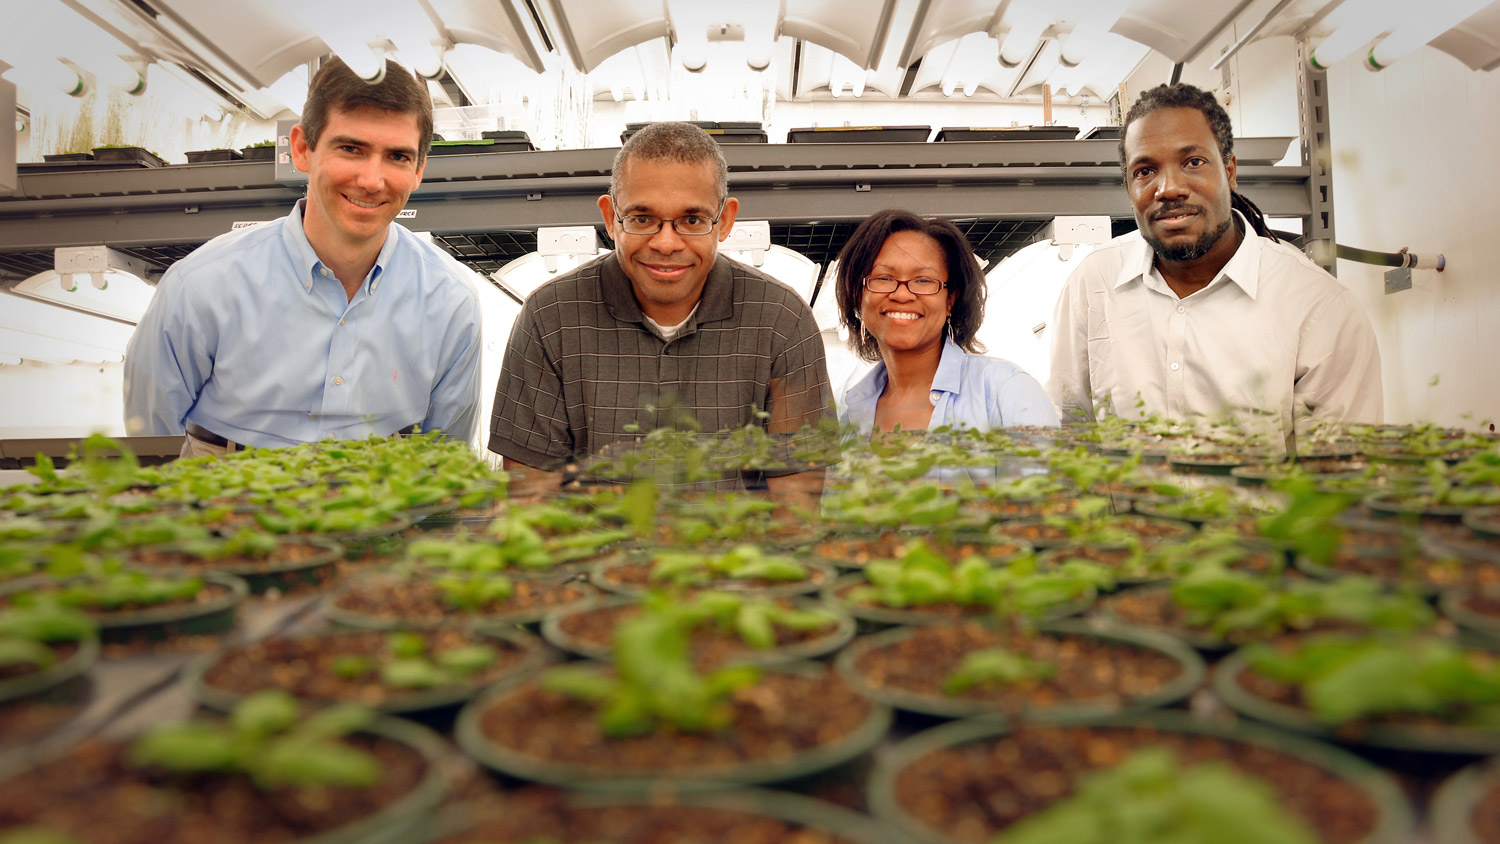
(965,276)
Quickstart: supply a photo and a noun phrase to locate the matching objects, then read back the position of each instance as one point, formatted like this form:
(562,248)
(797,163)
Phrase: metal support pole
(1317,156)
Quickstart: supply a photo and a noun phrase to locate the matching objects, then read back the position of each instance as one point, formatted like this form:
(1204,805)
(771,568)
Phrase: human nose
(1170,184)
(902,291)
(370,176)
(667,239)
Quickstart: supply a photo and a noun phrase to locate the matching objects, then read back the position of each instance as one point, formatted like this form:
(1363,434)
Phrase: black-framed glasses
(920,286)
(688,224)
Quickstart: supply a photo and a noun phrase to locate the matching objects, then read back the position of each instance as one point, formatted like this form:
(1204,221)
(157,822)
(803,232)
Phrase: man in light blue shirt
(330,323)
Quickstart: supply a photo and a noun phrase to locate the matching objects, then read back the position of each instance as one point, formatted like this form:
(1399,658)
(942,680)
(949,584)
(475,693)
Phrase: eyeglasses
(919,286)
(687,224)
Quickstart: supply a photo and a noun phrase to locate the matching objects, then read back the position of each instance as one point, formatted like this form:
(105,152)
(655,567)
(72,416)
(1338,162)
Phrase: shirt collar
(949,377)
(295,238)
(1243,268)
(717,301)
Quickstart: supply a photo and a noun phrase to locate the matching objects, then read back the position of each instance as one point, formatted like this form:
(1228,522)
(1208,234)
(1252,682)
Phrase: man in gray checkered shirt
(662,322)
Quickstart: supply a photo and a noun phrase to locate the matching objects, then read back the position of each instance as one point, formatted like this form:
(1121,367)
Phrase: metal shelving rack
(471,200)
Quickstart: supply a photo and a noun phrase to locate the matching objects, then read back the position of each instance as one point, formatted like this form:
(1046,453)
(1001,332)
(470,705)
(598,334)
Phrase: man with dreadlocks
(1202,311)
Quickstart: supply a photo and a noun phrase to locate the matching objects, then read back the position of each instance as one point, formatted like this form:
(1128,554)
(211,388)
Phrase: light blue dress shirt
(967,391)
(253,338)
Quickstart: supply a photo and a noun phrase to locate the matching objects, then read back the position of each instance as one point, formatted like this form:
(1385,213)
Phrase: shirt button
(308,285)
(934,396)
(341,322)
(324,272)
(1181,309)
(1174,367)
(328,436)
(337,381)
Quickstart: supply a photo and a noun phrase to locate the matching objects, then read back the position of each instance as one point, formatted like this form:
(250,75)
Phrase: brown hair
(335,88)
(965,277)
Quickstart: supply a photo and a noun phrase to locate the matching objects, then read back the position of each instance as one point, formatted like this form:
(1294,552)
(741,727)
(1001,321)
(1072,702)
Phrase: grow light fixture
(95,279)
(578,243)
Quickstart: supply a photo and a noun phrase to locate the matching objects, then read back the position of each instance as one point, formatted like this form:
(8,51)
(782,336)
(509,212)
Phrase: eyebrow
(341,140)
(643,208)
(1181,151)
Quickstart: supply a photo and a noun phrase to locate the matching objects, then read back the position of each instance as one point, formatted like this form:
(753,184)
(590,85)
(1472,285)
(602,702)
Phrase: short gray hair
(682,143)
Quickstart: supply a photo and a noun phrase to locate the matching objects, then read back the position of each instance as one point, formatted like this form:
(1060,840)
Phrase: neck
(1188,277)
(350,262)
(911,371)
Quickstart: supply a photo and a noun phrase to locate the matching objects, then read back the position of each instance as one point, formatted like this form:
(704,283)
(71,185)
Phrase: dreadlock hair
(1183,95)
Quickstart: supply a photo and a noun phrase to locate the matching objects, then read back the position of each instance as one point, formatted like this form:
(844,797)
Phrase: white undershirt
(669,333)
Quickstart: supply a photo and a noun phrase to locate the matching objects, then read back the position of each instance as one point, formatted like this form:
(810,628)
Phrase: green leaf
(186,748)
(333,722)
(319,763)
(350,666)
(14,651)
(467,660)
(413,673)
(406,644)
(265,713)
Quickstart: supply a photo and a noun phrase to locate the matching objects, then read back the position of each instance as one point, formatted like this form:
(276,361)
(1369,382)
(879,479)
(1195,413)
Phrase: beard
(1181,252)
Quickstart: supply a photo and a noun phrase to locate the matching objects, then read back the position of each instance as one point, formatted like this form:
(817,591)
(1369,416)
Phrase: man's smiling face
(1179,184)
(667,270)
(358,176)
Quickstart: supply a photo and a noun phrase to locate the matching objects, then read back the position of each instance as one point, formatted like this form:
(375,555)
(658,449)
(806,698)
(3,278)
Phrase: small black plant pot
(128,155)
(259,153)
(212,156)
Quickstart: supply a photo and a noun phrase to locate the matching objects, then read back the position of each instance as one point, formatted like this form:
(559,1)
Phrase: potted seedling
(335,775)
(42,647)
(744,567)
(125,153)
(398,672)
(651,720)
(725,627)
(1412,692)
(260,151)
(1144,778)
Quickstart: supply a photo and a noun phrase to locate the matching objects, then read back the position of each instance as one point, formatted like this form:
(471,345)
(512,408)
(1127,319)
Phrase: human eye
(693,220)
(1197,161)
(1143,172)
(640,219)
(927,283)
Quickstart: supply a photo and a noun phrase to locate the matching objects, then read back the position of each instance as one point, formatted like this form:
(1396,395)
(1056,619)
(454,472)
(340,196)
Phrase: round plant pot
(276,574)
(1423,738)
(1483,627)
(1451,812)
(843,631)
(399,702)
(404,820)
(1188,678)
(734,810)
(603,575)
(1392,505)
(1393,822)
(883,616)
(640,780)
(213,615)
(37,682)
(496,616)
(1484,521)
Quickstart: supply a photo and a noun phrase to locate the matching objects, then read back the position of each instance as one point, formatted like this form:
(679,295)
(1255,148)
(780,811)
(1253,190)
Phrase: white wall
(1414,165)
(61,400)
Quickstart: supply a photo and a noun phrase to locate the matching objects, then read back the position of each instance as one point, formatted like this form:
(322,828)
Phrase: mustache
(1175,209)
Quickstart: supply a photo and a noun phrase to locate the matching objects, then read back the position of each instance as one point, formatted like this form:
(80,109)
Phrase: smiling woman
(911,293)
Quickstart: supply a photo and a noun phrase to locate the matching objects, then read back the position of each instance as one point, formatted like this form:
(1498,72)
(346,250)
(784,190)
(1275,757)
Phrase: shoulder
(1107,260)
(444,275)
(580,284)
(1291,271)
(753,287)
(212,258)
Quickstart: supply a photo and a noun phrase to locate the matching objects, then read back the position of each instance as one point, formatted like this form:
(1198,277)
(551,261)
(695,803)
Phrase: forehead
(915,250)
(1168,130)
(373,125)
(661,185)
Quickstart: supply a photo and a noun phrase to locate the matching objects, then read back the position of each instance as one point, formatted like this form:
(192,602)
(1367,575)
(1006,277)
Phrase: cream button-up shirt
(1272,341)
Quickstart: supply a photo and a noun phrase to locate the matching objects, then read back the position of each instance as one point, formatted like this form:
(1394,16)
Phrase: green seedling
(474,592)
(993,667)
(753,620)
(268,740)
(1151,798)
(923,577)
(412,667)
(1306,524)
(744,562)
(1225,601)
(654,685)
(1344,678)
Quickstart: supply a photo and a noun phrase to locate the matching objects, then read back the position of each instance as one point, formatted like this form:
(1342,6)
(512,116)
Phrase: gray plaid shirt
(581,364)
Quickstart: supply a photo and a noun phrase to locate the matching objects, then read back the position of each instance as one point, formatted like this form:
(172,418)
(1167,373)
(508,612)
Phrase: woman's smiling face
(901,321)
